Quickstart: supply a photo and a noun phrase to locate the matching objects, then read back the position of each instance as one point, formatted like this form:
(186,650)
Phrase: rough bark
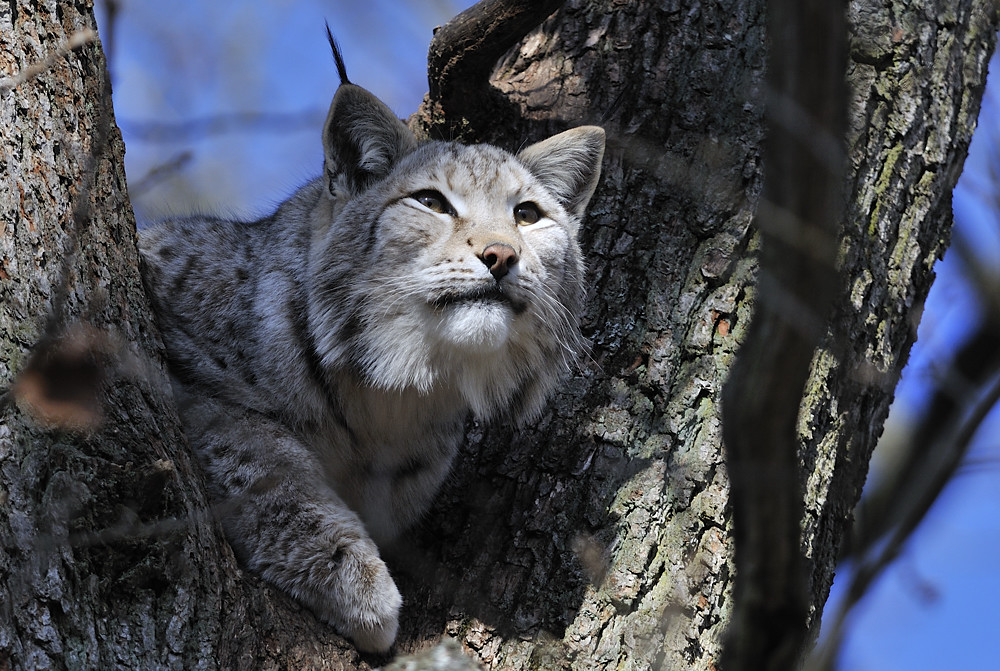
(598,537)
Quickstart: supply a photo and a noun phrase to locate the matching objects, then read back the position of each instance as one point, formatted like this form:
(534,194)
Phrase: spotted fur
(326,357)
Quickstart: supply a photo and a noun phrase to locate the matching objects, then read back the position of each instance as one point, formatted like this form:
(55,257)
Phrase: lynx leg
(288,525)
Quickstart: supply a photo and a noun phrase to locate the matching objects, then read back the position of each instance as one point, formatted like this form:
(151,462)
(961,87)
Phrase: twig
(196,129)
(160,172)
(72,43)
(82,212)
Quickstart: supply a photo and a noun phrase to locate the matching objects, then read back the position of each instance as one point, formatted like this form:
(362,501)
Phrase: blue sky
(183,60)
(205,59)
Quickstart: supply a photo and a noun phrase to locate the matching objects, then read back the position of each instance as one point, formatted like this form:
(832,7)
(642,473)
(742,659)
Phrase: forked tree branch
(464,51)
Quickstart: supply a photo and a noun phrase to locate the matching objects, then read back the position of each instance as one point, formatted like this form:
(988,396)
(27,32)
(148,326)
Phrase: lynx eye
(527,213)
(433,201)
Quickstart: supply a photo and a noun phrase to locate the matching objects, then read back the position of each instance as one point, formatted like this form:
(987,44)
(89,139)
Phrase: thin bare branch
(158,173)
(190,130)
(72,43)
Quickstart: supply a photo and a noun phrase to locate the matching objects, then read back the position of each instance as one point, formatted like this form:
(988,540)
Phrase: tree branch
(464,51)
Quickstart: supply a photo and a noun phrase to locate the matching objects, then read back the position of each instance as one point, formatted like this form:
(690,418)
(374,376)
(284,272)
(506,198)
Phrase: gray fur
(326,357)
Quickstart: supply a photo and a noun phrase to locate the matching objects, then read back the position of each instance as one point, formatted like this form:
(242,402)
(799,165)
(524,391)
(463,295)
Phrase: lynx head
(444,265)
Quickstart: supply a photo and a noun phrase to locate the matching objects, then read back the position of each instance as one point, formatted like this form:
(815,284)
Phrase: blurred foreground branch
(72,43)
(799,225)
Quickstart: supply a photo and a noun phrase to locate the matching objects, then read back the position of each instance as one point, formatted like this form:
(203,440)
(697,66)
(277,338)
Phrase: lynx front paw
(378,638)
(365,604)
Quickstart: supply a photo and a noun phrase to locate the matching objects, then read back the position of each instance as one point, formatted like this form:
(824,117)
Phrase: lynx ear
(569,164)
(362,139)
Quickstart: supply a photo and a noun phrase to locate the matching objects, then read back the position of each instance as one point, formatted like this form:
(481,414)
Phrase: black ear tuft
(362,138)
(338,57)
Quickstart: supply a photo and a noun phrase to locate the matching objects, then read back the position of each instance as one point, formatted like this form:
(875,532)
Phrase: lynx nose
(499,257)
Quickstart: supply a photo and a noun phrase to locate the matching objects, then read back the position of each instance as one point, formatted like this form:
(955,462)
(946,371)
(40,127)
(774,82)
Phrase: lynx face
(466,271)
(471,275)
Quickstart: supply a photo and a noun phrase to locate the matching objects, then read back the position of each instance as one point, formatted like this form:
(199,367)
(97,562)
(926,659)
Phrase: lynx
(325,358)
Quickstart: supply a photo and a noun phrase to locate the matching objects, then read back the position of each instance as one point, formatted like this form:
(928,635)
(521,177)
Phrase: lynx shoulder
(326,357)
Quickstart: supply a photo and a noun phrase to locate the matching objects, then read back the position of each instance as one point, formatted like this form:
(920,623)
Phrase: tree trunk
(109,556)
(601,537)
(598,537)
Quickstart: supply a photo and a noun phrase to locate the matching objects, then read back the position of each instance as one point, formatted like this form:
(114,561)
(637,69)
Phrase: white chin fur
(483,325)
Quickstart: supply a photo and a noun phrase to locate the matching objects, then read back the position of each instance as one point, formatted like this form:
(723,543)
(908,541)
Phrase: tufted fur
(326,357)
